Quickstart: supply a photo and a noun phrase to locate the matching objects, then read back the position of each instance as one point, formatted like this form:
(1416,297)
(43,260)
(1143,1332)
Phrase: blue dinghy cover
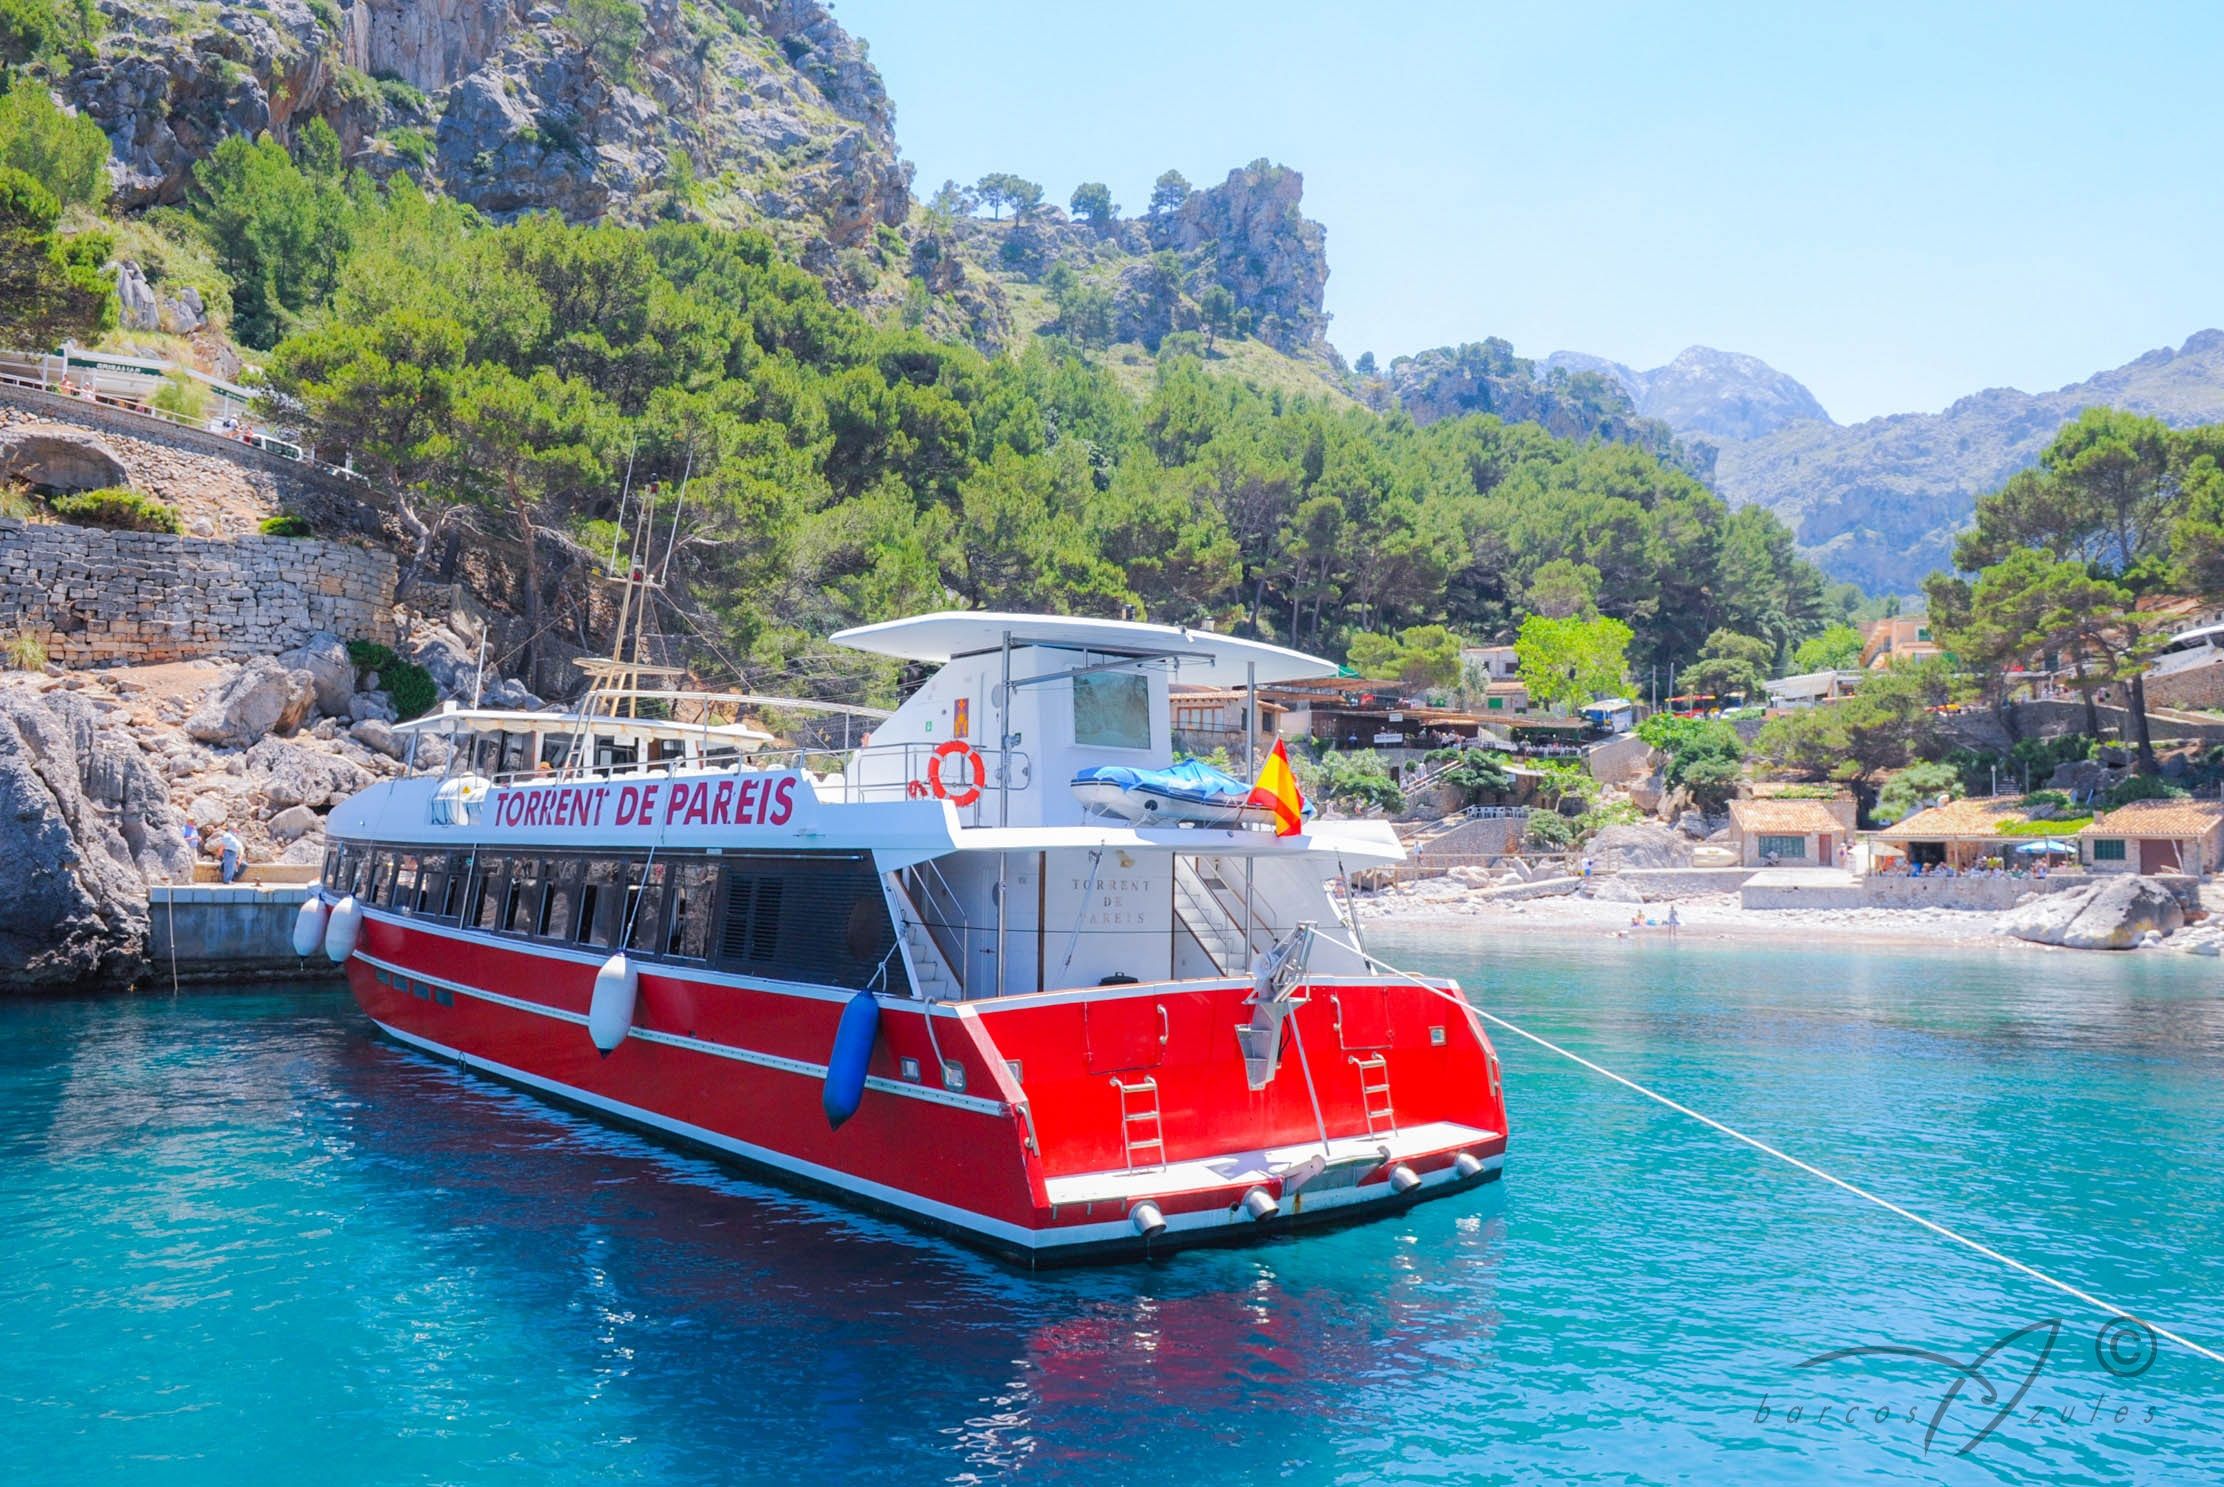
(1192,780)
(853,1051)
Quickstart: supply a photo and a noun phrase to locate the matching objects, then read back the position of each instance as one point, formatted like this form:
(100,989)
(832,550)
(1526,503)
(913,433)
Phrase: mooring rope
(1762,1146)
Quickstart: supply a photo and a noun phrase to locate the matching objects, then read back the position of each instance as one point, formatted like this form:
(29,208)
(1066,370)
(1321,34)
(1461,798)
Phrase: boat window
(817,917)
(525,896)
(556,749)
(491,873)
(403,893)
(645,907)
(560,909)
(486,753)
(611,754)
(667,750)
(516,747)
(694,895)
(751,929)
(330,872)
(1111,710)
(370,886)
(459,875)
(602,901)
(432,883)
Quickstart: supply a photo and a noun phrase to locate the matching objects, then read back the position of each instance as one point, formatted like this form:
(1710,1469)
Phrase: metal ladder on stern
(1374,1093)
(1139,1107)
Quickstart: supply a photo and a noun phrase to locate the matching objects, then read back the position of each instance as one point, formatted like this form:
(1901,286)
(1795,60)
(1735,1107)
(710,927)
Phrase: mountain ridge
(1879,503)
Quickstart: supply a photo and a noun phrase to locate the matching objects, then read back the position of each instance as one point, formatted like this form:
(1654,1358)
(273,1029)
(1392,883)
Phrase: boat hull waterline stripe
(803,1067)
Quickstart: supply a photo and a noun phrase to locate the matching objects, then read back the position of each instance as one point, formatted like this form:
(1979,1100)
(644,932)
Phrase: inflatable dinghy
(1192,793)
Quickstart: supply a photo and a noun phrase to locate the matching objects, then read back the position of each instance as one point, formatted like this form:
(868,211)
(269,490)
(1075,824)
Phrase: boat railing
(942,917)
(900,771)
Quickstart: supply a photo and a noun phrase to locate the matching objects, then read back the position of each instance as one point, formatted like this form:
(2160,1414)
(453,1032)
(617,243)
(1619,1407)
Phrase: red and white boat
(921,975)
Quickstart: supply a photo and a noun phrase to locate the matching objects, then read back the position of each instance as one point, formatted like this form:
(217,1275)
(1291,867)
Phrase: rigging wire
(1763,1147)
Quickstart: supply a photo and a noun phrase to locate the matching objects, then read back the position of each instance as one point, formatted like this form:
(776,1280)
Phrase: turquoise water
(246,1241)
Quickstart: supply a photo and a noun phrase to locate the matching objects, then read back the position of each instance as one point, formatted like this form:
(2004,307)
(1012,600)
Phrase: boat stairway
(1207,922)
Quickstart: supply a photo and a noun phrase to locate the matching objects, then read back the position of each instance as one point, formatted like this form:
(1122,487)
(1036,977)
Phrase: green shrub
(2143,787)
(2047,825)
(413,145)
(1358,778)
(285,524)
(117,509)
(1913,788)
(22,652)
(182,396)
(1549,830)
(2046,800)
(1711,779)
(410,685)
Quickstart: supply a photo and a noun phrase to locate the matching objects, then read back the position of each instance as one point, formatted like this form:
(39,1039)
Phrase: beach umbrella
(2051,848)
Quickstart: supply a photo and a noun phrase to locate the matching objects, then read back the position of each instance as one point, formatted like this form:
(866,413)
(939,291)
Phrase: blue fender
(853,1051)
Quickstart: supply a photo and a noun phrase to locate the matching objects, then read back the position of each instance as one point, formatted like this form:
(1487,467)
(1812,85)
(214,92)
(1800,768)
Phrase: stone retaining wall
(101,598)
(220,486)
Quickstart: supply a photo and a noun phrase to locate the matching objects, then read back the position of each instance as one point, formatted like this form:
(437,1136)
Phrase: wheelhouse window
(1111,710)
(517,752)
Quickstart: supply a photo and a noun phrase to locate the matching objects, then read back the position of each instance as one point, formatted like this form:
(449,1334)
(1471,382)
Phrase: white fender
(341,929)
(610,1013)
(308,926)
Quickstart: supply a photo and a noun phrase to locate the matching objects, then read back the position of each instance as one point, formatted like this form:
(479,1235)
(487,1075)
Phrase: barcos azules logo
(1959,1403)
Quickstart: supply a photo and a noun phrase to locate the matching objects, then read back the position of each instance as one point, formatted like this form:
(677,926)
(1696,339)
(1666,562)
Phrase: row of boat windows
(800,918)
(514,753)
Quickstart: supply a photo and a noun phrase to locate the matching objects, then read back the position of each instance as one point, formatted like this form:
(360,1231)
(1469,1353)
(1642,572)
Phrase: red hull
(1038,1140)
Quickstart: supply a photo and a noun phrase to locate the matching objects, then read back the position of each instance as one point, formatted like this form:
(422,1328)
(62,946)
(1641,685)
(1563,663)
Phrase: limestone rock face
(1270,255)
(769,98)
(59,458)
(325,657)
(1707,393)
(85,821)
(288,774)
(262,698)
(377,735)
(2111,914)
(1638,846)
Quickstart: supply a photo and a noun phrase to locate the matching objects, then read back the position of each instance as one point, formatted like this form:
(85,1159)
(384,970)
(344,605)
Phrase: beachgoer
(1674,918)
(192,835)
(233,849)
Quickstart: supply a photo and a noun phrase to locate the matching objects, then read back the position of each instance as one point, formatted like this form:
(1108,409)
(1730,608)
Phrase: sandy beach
(1717,916)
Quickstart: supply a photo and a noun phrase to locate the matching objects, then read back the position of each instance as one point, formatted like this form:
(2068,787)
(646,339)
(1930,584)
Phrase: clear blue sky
(1896,204)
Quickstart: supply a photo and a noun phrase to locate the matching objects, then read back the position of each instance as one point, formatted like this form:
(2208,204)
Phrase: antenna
(624,491)
(678,508)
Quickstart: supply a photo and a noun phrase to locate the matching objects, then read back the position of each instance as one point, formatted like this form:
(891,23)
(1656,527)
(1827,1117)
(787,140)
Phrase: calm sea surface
(243,1240)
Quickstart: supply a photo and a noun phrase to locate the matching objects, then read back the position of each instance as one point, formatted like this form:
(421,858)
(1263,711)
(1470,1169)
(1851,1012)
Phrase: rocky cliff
(1487,377)
(1707,394)
(1880,503)
(763,111)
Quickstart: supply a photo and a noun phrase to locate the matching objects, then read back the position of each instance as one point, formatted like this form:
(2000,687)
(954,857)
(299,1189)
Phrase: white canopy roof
(453,719)
(941,637)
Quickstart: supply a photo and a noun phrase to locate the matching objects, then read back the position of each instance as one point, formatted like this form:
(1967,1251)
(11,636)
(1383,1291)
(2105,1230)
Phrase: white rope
(1808,1167)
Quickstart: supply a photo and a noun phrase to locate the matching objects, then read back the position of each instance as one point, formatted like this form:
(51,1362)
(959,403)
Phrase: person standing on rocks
(232,849)
(192,835)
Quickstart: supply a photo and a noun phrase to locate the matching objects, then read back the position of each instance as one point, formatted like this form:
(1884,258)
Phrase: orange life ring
(955,748)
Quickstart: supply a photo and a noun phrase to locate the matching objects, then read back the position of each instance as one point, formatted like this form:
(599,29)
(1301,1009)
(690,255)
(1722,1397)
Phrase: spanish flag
(1277,787)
